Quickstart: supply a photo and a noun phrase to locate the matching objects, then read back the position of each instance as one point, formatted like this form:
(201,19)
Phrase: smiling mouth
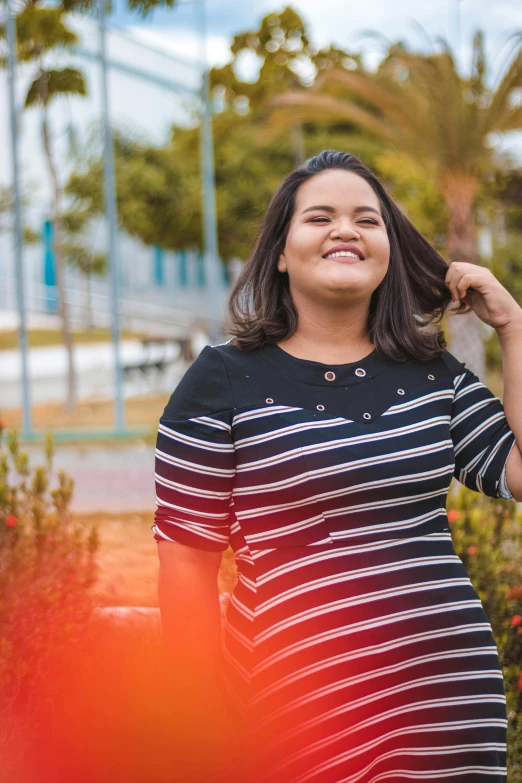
(343,254)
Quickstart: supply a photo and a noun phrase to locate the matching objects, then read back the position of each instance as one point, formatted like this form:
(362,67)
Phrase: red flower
(453,515)
(516,620)
(50,539)
(514,593)
(472,550)
(11,521)
(520,682)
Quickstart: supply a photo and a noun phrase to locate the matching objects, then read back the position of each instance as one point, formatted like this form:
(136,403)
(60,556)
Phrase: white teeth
(342,253)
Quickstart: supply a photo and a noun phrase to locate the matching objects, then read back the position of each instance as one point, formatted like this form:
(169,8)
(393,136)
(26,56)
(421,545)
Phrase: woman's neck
(335,351)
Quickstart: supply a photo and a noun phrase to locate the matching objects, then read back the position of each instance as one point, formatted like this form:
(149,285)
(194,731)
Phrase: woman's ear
(281,264)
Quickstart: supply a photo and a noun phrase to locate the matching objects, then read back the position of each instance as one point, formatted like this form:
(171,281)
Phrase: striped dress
(355,648)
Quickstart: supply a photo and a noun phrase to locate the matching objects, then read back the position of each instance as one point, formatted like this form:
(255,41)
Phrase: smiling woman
(334,203)
(319,444)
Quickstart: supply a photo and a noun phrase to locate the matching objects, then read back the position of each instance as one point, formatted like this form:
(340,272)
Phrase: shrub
(47,567)
(487,536)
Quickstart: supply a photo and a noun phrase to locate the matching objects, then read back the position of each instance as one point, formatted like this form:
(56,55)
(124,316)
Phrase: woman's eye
(366,220)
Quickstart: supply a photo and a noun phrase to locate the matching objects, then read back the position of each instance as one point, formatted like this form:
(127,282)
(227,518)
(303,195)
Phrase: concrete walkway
(94,364)
(110,479)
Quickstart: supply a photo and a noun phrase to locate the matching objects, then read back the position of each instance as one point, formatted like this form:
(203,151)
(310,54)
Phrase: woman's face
(336,210)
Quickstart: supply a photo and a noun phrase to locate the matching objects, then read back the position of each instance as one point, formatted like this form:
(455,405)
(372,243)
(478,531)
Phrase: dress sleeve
(195,460)
(482,438)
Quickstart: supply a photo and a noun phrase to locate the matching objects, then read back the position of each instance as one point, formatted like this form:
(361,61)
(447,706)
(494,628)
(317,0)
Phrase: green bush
(487,536)
(47,569)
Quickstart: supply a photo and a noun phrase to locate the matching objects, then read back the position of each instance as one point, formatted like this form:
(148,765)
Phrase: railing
(152,314)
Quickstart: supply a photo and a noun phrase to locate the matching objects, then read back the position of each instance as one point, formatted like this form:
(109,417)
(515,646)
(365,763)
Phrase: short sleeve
(482,438)
(195,459)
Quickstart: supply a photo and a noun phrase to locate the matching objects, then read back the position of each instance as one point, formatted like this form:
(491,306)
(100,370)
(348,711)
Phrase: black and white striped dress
(355,647)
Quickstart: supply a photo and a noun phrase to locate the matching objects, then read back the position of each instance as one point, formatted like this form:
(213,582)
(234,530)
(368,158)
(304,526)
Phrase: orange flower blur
(453,515)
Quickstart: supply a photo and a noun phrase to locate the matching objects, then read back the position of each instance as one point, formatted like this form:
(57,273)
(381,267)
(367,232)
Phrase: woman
(319,443)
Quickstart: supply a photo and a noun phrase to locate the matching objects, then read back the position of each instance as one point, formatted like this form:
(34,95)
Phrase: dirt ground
(140,412)
(128,560)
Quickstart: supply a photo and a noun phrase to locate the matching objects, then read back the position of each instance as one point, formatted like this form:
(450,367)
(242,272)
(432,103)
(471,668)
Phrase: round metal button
(367,415)
(330,376)
(269,400)
(400,391)
(320,407)
(431,377)
(360,372)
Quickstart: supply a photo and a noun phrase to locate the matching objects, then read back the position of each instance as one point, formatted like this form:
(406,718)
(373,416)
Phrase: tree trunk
(466,339)
(70,402)
(88,302)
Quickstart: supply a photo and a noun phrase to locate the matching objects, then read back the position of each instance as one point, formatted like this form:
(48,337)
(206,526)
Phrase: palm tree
(43,29)
(418,104)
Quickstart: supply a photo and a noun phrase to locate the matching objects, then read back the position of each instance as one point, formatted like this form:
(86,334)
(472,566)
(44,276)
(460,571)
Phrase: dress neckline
(323,374)
(327,365)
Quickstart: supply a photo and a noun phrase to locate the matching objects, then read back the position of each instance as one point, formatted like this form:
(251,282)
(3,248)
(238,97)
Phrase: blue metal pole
(159,267)
(51,298)
(27,425)
(110,209)
(214,275)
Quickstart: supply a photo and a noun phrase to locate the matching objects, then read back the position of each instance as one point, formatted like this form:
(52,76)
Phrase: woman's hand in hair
(480,290)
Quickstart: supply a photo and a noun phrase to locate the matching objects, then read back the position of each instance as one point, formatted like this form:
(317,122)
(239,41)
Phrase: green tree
(422,107)
(287,61)
(6,208)
(158,188)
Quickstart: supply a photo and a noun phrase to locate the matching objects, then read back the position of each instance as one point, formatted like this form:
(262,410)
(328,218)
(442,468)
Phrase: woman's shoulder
(204,388)
(454,365)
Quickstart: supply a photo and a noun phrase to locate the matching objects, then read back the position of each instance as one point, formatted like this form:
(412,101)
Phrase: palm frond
(300,105)
(511,81)
(41,29)
(400,106)
(510,120)
(49,84)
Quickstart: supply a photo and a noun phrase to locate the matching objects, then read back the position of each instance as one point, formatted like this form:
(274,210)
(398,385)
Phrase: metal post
(111,212)
(27,425)
(214,277)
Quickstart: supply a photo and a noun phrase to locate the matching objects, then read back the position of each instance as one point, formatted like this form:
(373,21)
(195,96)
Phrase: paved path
(108,479)
(94,364)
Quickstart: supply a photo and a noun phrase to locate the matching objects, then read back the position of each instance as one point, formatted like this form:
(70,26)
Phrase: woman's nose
(345,230)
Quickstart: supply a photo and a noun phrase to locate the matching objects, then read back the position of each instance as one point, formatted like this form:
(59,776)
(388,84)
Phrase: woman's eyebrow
(326,208)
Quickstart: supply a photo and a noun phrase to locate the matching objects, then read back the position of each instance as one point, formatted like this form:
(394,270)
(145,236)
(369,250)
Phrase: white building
(148,90)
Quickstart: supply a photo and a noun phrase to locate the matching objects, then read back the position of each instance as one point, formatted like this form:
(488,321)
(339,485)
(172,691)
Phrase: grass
(128,560)
(43,338)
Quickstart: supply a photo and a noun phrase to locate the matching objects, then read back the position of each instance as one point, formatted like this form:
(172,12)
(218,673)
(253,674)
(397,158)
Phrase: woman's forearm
(192,661)
(191,621)
(191,625)
(510,339)
(511,346)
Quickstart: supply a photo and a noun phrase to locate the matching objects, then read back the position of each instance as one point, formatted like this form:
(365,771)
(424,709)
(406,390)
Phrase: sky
(333,21)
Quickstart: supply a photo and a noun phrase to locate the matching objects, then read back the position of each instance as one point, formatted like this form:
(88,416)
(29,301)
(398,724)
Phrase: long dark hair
(411,297)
